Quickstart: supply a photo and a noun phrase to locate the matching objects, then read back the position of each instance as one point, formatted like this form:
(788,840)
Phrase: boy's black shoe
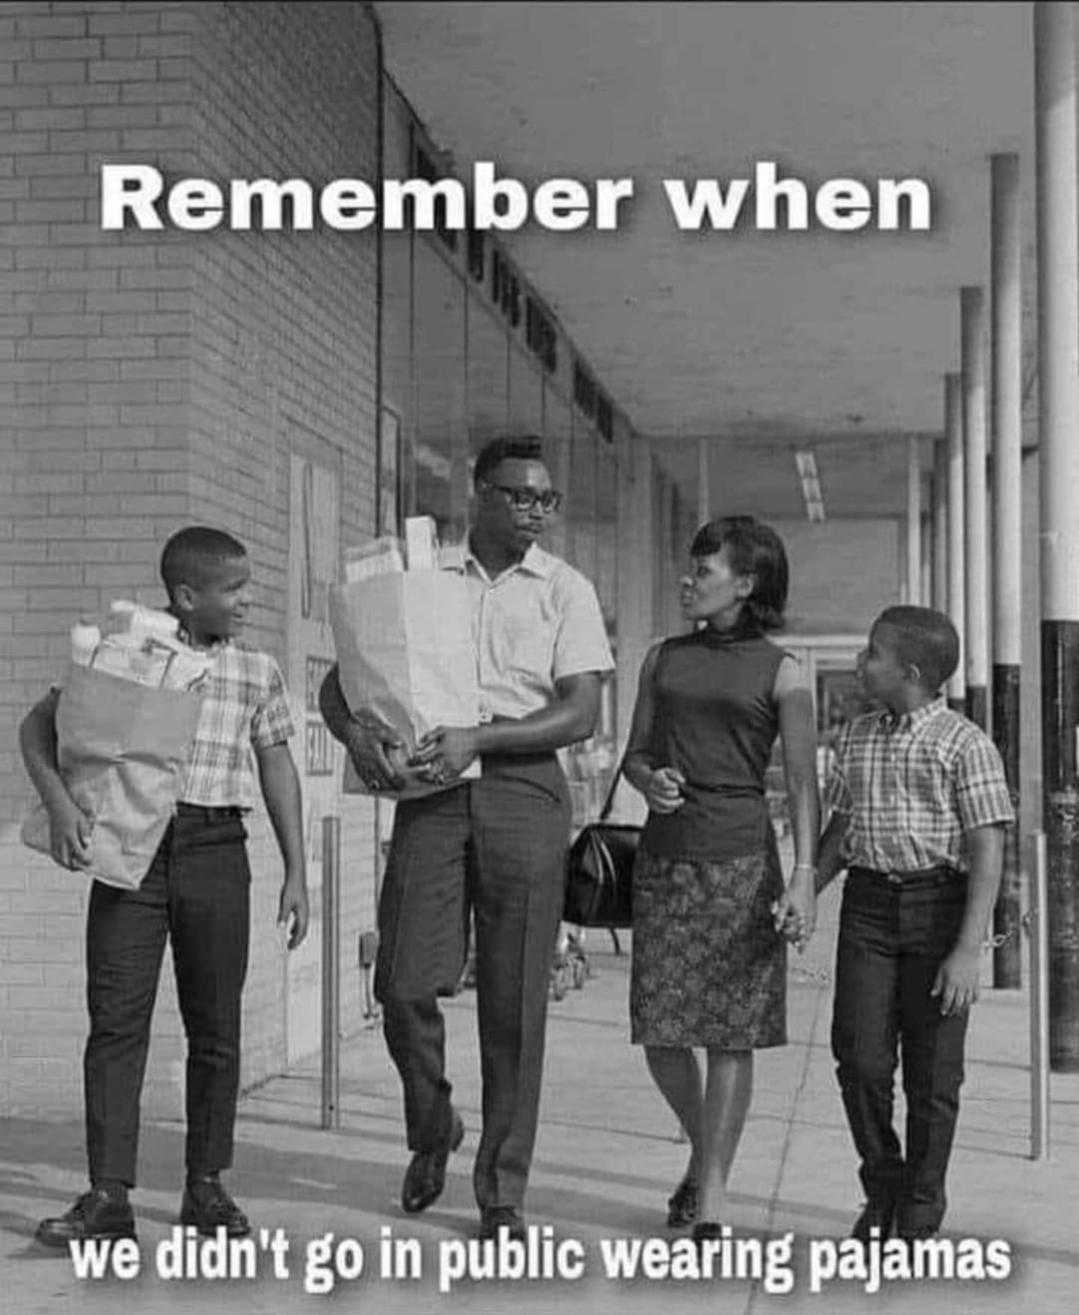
(914,1232)
(425,1176)
(877,1214)
(208,1206)
(682,1207)
(98,1213)
(493,1218)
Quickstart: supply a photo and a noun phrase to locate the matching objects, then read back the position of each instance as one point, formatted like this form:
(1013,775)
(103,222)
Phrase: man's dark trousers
(495,846)
(893,936)
(196,894)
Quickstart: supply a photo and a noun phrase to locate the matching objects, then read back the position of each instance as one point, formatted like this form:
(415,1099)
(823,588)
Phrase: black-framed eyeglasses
(526,499)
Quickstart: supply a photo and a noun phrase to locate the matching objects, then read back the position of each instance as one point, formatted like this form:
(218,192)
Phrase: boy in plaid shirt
(195,894)
(919,806)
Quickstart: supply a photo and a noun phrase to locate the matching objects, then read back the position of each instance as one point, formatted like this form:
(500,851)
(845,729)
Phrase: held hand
(370,742)
(70,835)
(293,905)
(446,752)
(664,792)
(795,912)
(957,981)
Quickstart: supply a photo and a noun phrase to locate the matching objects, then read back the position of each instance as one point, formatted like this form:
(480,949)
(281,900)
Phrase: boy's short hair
(525,447)
(192,553)
(755,549)
(925,639)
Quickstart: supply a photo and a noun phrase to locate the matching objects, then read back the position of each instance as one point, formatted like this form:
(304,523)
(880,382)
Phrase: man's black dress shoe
(425,1176)
(493,1218)
(707,1230)
(98,1213)
(877,1214)
(209,1207)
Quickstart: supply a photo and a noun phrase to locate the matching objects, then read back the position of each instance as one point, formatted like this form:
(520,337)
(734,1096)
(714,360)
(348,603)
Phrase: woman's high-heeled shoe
(682,1206)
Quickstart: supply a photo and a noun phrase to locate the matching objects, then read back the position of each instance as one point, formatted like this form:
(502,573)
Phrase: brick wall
(284,342)
(153,379)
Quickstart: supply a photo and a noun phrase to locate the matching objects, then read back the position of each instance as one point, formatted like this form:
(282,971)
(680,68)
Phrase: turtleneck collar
(742,629)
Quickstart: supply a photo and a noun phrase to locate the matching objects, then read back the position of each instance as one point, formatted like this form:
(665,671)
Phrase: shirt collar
(215,647)
(910,721)
(534,562)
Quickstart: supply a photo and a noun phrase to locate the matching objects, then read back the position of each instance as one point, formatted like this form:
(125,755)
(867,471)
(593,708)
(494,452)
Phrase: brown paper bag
(122,749)
(405,649)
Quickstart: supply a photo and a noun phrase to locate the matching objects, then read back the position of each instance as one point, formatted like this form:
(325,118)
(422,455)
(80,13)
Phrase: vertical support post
(927,546)
(1057,198)
(972,320)
(1007,491)
(1039,1003)
(914,523)
(957,607)
(704,499)
(331,972)
(940,526)
(637,534)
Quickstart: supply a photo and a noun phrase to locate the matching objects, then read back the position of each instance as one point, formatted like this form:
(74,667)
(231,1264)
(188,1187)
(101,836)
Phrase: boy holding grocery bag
(196,889)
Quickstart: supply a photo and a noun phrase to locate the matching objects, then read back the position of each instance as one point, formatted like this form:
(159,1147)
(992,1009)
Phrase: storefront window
(440,449)
(607,530)
(488,368)
(526,395)
(581,499)
(557,445)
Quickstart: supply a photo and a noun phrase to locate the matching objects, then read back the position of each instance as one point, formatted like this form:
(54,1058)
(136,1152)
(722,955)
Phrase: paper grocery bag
(405,649)
(122,749)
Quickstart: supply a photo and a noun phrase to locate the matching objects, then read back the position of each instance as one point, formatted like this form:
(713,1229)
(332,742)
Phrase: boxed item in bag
(381,557)
(140,644)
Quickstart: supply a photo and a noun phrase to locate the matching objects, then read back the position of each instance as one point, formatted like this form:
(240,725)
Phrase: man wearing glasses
(494,845)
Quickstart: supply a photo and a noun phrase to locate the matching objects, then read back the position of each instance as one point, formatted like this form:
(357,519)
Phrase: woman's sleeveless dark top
(715,719)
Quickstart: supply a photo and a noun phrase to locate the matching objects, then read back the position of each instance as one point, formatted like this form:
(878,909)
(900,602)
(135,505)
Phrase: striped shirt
(913,786)
(244,707)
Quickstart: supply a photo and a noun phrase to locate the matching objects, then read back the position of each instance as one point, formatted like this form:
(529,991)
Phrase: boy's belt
(209,812)
(913,877)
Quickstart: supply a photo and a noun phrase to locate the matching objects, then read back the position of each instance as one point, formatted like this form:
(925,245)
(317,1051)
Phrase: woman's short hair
(755,549)
(924,638)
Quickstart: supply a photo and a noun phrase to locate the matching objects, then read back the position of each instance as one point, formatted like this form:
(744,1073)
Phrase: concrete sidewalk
(606,1160)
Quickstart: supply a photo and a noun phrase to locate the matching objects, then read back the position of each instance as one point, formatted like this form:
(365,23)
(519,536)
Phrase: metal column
(1058,427)
(940,526)
(1007,372)
(914,523)
(704,501)
(953,428)
(973,322)
(331,972)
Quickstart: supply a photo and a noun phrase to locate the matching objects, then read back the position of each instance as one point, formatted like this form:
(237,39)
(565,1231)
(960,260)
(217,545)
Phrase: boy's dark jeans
(893,936)
(196,894)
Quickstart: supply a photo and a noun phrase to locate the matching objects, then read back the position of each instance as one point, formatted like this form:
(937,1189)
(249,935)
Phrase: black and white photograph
(539,656)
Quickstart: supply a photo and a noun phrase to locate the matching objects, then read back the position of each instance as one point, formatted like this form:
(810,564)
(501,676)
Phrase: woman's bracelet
(805,867)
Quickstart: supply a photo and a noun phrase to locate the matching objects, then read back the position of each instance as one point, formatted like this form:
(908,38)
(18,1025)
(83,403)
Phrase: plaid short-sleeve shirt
(244,707)
(913,786)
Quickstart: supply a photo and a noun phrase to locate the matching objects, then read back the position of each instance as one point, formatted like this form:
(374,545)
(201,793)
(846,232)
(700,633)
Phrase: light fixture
(805,463)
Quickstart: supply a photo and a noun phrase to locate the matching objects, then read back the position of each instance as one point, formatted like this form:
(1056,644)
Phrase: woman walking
(710,910)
